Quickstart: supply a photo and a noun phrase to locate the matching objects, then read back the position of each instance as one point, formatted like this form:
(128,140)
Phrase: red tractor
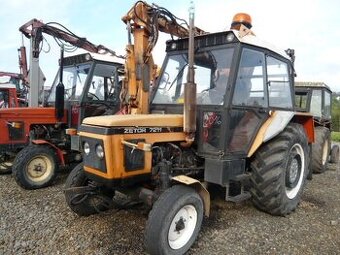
(41,141)
(11,96)
(8,96)
(13,92)
(39,138)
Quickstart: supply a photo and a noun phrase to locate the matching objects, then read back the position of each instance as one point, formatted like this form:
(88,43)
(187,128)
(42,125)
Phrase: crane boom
(144,22)
(34,30)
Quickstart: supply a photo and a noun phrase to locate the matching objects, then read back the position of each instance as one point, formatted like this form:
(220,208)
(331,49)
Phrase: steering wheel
(93,95)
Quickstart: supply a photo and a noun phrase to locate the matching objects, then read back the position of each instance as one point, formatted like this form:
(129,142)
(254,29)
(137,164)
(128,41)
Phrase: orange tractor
(221,113)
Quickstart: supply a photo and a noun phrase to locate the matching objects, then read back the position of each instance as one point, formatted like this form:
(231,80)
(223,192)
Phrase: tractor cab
(8,96)
(239,79)
(314,97)
(92,86)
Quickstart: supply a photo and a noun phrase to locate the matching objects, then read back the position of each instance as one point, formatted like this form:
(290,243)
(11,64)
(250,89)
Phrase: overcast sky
(308,26)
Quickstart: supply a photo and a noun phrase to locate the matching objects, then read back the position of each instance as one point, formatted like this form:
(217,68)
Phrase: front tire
(279,171)
(35,166)
(174,221)
(320,150)
(84,197)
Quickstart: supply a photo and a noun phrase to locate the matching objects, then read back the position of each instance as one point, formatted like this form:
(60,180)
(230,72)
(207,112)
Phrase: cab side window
(278,83)
(249,88)
(327,109)
(316,103)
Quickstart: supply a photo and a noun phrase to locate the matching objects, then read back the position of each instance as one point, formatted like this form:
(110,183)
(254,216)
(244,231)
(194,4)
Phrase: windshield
(74,78)
(212,68)
(104,84)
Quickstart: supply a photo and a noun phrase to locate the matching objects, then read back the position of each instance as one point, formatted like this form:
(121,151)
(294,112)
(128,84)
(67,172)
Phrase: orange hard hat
(241,18)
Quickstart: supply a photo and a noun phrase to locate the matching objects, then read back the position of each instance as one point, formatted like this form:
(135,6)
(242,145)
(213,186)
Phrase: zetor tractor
(91,84)
(316,98)
(243,135)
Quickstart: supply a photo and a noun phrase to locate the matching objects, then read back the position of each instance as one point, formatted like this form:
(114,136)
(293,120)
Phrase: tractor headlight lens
(230,37)
(100,151)
(86,148)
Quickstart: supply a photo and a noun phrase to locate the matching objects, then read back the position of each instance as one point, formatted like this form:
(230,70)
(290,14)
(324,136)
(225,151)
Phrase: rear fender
(306,120)
(277,122)
(57,150)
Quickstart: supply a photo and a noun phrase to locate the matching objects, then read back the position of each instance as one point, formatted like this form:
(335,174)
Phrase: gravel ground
(39,222)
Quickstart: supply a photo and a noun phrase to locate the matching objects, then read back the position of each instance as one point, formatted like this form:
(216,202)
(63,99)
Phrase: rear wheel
(6,162)
(85,197)
(320,150)
(35,166)
(279,170)
(334,154)
(174,221)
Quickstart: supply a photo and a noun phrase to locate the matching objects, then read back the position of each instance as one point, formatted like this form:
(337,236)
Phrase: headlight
(230,37)
(100,151)
(86,148)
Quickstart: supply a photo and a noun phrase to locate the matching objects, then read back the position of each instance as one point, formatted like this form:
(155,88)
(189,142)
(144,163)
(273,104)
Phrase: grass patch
(335,136)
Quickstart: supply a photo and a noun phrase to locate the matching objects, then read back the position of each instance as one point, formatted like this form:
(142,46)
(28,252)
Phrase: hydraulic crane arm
(144,22)
(23,65)
(34,28)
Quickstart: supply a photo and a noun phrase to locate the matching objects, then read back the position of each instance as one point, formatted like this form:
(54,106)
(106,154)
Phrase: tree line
(336,112)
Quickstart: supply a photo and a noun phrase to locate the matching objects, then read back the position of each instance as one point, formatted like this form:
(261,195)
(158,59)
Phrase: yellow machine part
(114,144)
(114,152)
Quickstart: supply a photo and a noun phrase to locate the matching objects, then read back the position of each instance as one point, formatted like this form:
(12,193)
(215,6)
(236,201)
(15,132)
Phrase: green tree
(336,112)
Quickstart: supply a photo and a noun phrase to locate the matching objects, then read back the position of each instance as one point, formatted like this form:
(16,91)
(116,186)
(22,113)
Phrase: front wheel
(83,196)
(35,166)
(279,170)
(174,221)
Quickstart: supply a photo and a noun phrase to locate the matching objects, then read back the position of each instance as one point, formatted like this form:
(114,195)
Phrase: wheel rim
(182,227)
(39,168)
(295,171)
(325,152)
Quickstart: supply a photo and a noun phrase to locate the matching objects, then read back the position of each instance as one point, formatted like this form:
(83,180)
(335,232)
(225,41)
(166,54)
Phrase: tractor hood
(136,120)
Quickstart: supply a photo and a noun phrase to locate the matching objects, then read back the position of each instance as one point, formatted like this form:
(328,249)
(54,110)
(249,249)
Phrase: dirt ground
(39,222)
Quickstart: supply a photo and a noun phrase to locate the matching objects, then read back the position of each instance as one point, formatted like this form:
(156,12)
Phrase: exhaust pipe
(60,90)
(190,85)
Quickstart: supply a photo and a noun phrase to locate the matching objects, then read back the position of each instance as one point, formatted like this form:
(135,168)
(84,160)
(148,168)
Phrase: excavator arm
(145,22)
(34,28)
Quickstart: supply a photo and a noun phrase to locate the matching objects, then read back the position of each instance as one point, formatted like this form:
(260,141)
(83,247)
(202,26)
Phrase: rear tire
(279,171)
(320,150)
(94,200)
(174,221)
(334,154)
(35,166)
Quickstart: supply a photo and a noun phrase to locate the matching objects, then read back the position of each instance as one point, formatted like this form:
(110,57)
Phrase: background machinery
(316,98)
(8,95)
(43,139)
(221,114)
(13,92)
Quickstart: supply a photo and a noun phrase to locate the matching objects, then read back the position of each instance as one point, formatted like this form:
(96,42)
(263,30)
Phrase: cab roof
(222,38)
(312,84)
